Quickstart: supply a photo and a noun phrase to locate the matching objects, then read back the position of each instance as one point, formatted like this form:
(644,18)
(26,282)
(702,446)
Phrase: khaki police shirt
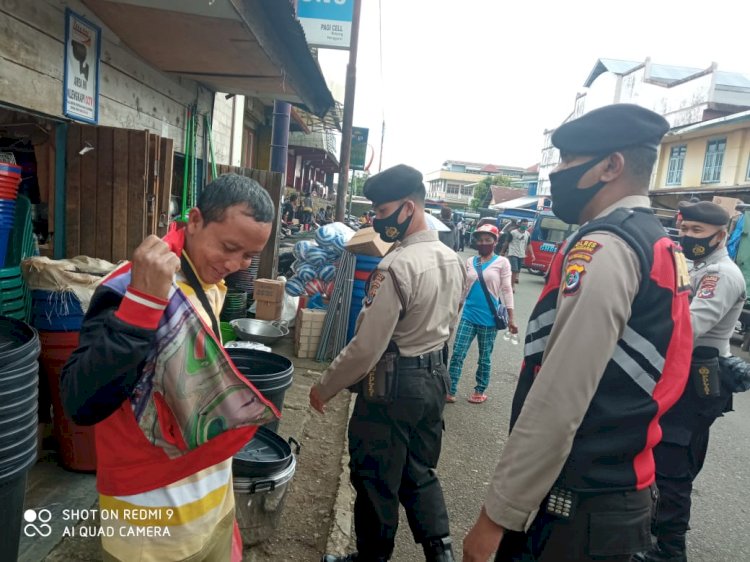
(430,278)
(593,308)
(718,297)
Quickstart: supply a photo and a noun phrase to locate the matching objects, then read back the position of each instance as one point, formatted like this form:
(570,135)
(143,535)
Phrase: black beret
(705,212)
(611,128)
(393,184)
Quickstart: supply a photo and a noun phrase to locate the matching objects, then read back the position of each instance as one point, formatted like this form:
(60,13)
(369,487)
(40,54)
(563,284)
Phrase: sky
(480,80)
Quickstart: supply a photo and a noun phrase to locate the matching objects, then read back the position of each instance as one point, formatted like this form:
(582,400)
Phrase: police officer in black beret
(718,289)
(397,359)
(607,349)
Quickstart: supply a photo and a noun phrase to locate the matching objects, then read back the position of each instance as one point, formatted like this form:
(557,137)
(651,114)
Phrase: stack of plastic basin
(10,178)
(19,377)
(365,266)
(58,316)
(14,295)
(271,374)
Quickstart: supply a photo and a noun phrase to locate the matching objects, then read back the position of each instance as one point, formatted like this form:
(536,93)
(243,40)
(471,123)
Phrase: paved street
(475,434)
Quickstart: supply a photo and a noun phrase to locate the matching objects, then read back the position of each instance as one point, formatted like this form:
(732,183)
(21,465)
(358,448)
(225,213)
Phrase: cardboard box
(308,328)
(729,204)
(265,310)
(367,242)
(269,290)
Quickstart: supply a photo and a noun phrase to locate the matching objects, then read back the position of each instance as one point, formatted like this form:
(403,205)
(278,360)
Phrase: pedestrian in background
(607,353)
(478,318)
(518,248)
(398,348)
(448,237)
(718,288)
(460,230)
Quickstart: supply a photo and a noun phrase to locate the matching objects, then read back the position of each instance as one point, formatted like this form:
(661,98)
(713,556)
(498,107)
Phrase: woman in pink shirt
(477,319)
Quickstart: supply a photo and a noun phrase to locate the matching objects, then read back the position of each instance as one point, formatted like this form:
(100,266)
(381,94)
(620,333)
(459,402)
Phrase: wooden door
(114,190)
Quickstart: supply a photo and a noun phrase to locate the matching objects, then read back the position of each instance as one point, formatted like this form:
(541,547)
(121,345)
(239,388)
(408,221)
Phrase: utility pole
(346,128)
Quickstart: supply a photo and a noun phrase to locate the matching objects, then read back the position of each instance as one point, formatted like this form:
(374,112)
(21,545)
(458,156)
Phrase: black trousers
(676,468)
(394,450)
(609,527)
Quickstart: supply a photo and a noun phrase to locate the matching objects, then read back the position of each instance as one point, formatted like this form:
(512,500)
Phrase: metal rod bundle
(336,324)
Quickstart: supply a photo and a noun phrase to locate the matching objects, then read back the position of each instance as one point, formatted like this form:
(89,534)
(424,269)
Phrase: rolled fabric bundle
(325,235)
(295,287)
(314,287)
(306,273)
(302,248)
(327,273)
(296,264)
(317,257)
(333,254)
(329,289)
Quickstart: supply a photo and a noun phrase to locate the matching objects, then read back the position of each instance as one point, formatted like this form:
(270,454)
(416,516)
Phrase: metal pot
(259,503)
(263,331)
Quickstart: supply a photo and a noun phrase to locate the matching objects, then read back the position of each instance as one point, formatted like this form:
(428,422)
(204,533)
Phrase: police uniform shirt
(430,279)
(592,312)
(718,297)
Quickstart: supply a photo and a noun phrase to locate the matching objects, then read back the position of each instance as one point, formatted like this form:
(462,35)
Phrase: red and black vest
(612,448)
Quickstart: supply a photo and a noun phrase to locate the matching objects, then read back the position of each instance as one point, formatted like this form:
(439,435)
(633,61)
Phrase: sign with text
(327,23)
(359,148)
(81,75)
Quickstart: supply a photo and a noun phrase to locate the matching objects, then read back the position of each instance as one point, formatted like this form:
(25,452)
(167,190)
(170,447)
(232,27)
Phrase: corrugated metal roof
(615,66)
(669,73)
(732,79)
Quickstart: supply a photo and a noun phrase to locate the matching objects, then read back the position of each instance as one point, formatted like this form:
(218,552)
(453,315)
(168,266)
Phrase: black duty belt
(424,361)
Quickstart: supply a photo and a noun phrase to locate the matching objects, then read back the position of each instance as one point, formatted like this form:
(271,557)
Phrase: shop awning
(251,47)
(519,203)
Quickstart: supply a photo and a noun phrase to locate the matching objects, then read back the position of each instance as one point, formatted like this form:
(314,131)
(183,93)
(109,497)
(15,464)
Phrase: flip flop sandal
(450,399)
(477,398)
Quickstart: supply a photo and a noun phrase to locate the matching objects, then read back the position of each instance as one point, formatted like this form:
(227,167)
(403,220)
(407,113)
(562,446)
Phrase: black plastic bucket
(12,492)
(19,343)
(265,454)
(270,373)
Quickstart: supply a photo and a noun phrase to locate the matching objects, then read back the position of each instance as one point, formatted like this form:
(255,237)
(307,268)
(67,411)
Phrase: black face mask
(567,200)
(389,228)
(697,249)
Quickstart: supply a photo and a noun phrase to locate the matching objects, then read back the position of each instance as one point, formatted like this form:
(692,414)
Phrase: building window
(747,175)
(452,189)
(714,159)
(676,162)
(467,190)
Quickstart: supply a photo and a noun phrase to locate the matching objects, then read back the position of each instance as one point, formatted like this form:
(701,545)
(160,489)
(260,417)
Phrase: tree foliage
(483,193)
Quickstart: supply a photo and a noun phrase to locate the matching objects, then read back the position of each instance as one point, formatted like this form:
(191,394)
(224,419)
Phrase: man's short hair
(446,213)
(525,221)
(232,189)
(639,163)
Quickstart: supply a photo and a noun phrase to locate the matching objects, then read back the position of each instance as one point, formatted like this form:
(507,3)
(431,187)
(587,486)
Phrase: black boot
(438,550)
(666,549)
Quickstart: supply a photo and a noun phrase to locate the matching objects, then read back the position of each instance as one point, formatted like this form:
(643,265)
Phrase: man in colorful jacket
(169,408)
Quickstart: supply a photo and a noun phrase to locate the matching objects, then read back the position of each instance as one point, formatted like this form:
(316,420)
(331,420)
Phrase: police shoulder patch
(586,247)
(574,272)
(374,283)
(707,288)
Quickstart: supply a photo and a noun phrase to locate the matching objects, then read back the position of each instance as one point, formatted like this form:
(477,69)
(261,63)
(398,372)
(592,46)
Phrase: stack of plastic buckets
(10,178)
(365,266)
(19,377)
(58,317)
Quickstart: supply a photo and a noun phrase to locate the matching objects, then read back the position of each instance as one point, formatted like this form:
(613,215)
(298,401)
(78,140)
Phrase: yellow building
(704,158)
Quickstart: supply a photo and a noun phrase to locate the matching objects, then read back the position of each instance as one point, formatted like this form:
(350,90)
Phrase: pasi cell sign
(327,23)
